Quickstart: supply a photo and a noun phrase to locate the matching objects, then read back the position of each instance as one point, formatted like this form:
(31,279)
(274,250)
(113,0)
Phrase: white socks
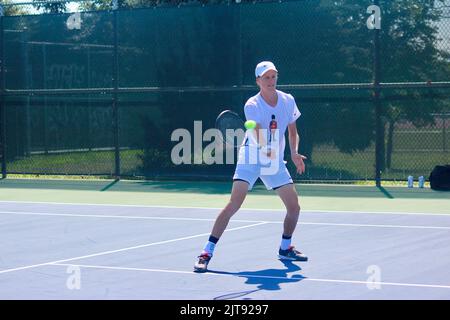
(285,242)
(210,245)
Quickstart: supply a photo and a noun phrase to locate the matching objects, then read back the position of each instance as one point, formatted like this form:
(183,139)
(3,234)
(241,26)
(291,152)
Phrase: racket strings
(232,129)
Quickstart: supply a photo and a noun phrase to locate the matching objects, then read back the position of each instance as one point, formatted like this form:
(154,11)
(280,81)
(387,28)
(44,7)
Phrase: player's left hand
(297,159)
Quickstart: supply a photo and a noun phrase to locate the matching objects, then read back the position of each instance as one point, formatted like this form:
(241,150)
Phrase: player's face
(268,82)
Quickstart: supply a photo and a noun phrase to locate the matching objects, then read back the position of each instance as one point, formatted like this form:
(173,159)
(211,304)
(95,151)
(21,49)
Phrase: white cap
(263,67)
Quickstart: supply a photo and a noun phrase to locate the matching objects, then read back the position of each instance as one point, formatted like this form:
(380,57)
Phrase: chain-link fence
(98,87)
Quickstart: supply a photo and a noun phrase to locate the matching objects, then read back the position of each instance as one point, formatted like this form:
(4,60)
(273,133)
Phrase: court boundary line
(372,283)
(122,249)
(212,220)
(217,208)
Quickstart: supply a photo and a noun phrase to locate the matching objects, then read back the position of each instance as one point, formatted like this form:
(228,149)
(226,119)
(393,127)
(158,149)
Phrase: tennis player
(274,111)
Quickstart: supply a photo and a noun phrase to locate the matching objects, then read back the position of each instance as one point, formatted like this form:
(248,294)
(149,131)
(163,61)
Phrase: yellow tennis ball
(250,124)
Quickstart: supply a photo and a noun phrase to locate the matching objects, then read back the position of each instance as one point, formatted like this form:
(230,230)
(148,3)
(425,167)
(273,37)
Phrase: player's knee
(294,209)
(234,206)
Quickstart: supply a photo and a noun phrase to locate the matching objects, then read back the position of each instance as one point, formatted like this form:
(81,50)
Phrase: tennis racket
(232,129)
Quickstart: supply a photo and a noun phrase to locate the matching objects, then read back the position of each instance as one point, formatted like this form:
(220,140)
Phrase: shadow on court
(265,280)
(385,192)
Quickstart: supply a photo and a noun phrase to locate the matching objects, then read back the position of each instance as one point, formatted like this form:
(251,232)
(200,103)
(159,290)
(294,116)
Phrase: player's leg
(238,193)
(289,196)
(281,181)
(244,177)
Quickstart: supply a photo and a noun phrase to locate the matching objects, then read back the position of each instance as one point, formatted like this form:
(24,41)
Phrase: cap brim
(268,69)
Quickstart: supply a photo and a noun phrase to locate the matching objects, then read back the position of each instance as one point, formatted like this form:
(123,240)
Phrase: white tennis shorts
(273,178)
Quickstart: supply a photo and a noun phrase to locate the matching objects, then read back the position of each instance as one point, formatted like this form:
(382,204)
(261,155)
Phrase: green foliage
(50,7)
(314,41)
(12,10)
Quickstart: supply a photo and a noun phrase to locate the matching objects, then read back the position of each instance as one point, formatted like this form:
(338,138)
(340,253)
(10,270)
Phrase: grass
(76,163)
(369,183)
(361,165)
(328,164)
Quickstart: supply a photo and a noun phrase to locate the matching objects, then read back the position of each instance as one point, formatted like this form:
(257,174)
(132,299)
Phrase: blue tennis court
(88,251)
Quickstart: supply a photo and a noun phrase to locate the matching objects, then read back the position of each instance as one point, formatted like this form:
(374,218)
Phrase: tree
(410,53)
(50,6)
(314,41)
(322,42)
(93,5)
(12,10)
(107,4)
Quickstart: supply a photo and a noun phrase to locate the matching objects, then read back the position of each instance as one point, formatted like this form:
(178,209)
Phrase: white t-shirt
(279,117)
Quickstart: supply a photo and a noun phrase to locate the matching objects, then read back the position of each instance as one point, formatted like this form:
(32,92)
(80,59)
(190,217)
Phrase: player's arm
(294,141)
(260,136)
(258,133)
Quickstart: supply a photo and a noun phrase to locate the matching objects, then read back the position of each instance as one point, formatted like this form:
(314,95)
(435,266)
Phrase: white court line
(258,276)
(215,209)
(119,216)
(209,219)
(373,225)
(124,249)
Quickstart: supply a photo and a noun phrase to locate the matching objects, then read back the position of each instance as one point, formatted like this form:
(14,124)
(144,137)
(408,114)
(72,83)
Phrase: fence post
(44,62)
(27,74)
(2,100)
(444,132)
(379,129)
(115,94)
(89,140)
